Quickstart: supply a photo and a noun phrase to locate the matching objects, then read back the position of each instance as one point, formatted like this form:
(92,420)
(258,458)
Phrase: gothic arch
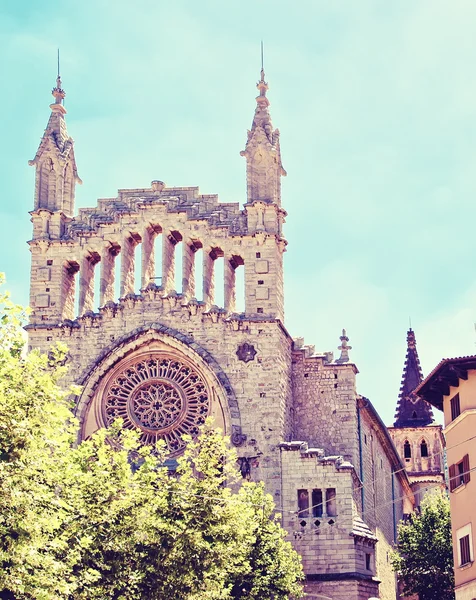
(424,447)
(168,344)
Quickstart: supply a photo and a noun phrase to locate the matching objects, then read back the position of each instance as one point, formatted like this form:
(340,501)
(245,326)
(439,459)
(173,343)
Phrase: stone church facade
(163,360)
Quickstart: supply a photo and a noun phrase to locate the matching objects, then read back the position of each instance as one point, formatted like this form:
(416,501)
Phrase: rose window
(161,396)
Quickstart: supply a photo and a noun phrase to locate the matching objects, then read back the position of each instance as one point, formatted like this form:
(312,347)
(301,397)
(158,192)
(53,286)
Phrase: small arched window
(407,451)
(414,415)
(424,449)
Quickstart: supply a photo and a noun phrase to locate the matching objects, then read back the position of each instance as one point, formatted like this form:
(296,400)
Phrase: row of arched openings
(140,277)
(407,449)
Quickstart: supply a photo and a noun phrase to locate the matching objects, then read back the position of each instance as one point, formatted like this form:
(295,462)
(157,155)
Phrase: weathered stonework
(145,345)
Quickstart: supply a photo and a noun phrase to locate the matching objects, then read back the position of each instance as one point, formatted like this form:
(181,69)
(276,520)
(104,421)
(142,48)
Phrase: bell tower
(417,438)
(265,217)
(55,181)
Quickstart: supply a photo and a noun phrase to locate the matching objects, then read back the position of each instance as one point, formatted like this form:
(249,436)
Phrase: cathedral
(142,288)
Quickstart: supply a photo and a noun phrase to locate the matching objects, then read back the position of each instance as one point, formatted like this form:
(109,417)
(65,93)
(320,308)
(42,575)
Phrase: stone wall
(331,416)
(337,548)
(261,387)
(387,494)
(325,404)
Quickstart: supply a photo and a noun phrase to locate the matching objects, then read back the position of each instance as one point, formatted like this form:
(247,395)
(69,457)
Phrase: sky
(376,105)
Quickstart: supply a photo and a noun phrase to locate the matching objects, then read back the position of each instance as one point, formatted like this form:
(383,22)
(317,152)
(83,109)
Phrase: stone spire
(263,155)
(56,172)
(411,410)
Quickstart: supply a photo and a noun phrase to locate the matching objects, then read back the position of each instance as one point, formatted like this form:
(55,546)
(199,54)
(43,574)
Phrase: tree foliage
(424,554)
(105,519)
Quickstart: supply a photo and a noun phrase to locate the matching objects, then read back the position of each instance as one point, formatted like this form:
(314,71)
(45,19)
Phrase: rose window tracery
(161,396)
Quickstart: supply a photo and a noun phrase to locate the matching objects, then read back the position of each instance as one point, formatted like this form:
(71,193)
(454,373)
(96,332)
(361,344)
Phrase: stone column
(127,266)
(68,290)
(148,258)
(188,271)
(108,274)
(86,285)
(230,285)
(208,278)
(168,262)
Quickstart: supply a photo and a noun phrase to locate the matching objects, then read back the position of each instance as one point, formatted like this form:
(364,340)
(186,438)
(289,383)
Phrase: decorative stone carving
(344,348)
(246,352)
(237,437)
(245,467)
(161,396)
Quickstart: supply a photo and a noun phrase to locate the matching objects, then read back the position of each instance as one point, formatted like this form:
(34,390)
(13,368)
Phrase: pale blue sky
(376,103)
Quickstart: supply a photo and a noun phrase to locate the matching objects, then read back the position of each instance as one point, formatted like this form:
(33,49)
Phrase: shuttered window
(466,469)
(455,408)
(465,550)
(460,473)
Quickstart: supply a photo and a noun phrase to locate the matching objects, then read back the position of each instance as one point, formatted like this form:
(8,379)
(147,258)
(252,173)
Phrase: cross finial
(344,348)
(262,61)
(57,91)
(262,85)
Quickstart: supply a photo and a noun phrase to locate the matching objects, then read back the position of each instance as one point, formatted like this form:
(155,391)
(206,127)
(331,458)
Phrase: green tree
(105,519)
(36,433)
(424,555)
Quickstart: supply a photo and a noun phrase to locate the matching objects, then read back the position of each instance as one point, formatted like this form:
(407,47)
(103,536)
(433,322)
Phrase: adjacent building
(451,387)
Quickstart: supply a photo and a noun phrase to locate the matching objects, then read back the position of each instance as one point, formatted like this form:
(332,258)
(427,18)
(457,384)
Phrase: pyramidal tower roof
(411,410)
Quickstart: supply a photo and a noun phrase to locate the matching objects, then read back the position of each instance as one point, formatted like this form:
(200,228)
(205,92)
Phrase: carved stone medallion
(246,352)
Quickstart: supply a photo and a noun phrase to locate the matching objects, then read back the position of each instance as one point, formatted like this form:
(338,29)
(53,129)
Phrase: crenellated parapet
(152,201)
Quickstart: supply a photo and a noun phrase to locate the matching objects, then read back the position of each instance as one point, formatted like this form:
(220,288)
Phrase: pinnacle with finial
(344,348)
(262,85)
(58,92)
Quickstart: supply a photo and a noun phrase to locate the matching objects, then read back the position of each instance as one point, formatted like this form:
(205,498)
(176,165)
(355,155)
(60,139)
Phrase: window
(331,502)
(317,507)
(258,255)
(322,504)
(464,546)
(455,407)
(407,450)
(260,281)
(49,262)
(460,473)
(423,449)
(414,415)
(303,504)
(367,561)
(259,310)
(464,550)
